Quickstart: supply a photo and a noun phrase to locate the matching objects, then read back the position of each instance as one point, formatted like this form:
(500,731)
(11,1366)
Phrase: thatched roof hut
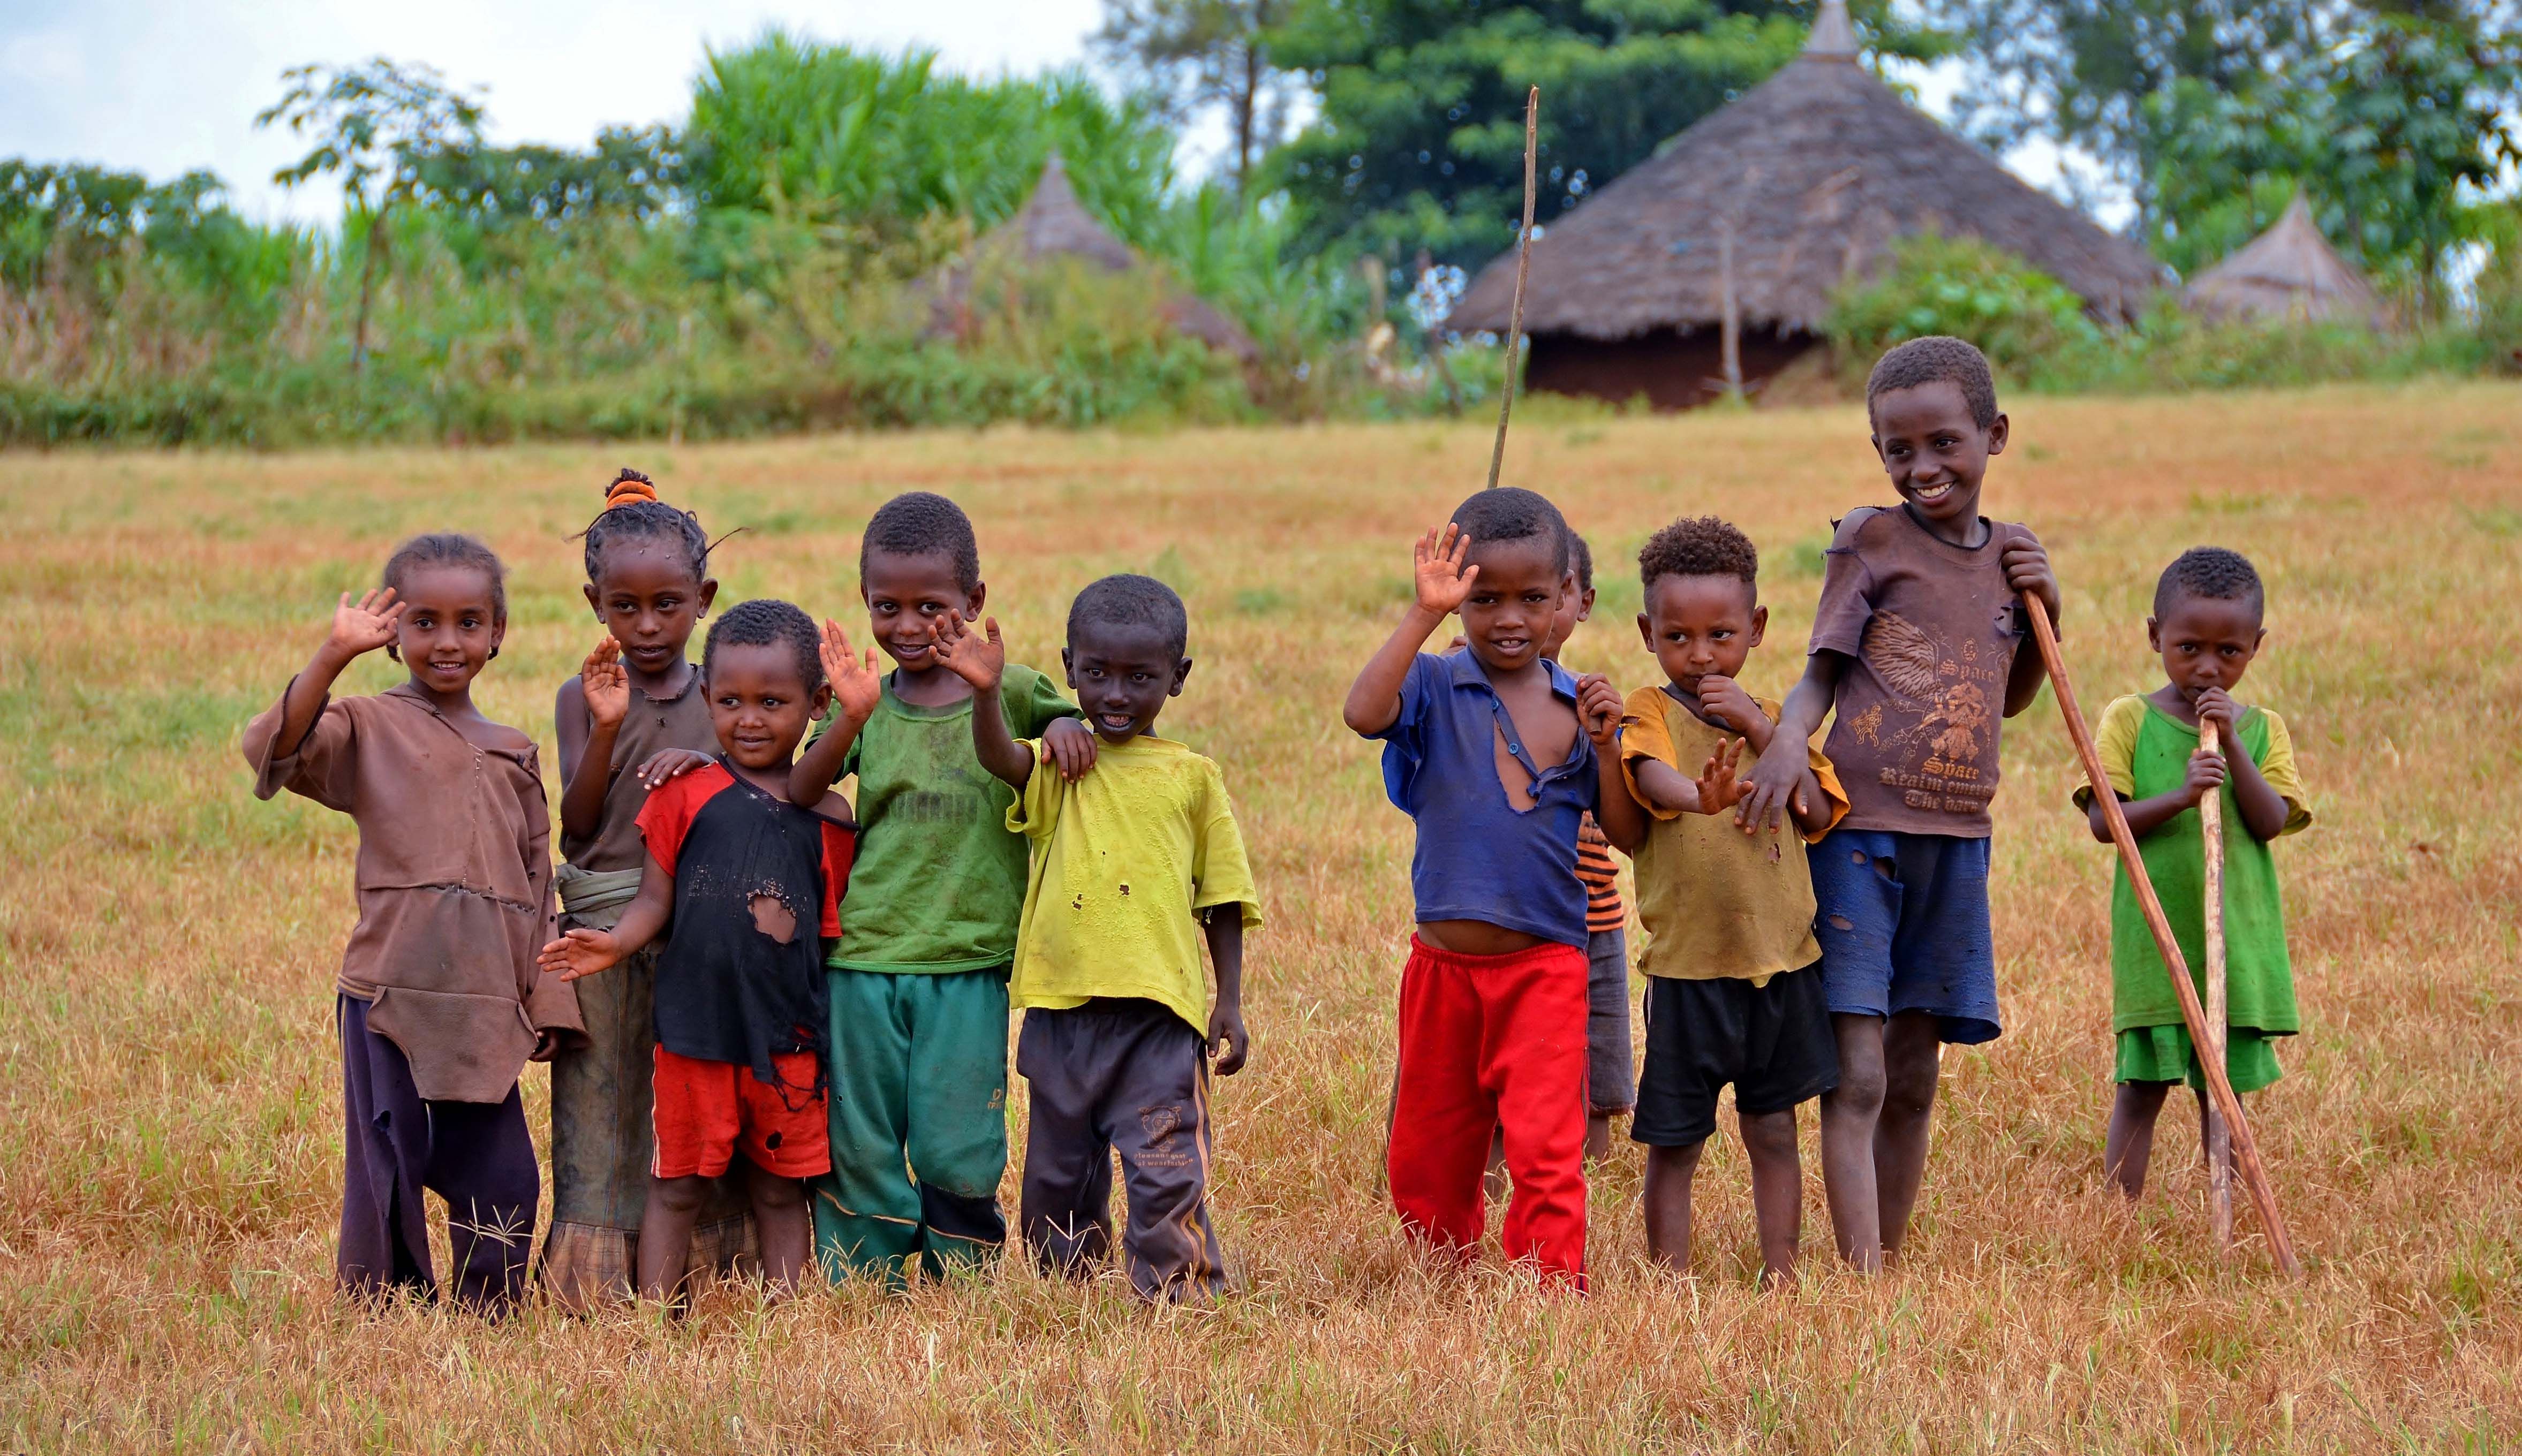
(2288,273)
(1800,184)
(1054,226)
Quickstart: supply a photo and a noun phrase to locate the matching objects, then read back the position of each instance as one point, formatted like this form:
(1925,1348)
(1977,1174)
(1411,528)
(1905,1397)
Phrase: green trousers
(920,1122)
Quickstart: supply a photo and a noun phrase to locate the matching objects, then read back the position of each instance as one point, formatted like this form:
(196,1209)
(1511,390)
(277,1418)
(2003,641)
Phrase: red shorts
(706,1111)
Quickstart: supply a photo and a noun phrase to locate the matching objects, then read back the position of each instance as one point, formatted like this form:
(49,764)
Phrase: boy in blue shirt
(1492,751)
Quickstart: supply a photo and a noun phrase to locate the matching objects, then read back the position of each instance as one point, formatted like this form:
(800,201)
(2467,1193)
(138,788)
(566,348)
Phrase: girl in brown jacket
(440,1004)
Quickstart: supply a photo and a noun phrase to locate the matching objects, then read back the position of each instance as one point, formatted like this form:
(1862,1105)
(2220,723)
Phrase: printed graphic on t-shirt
(1935,729)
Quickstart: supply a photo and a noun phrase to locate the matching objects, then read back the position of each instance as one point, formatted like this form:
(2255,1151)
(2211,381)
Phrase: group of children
(778,1026)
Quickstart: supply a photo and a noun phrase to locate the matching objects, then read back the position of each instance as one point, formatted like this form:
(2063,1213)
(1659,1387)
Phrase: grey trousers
(1131,1076)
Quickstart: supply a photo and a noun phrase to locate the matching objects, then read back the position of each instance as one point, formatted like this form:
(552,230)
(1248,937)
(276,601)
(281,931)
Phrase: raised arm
(857,689)
(981,659)
(359,627)
(588,714)
(1442,582)
(2026,570)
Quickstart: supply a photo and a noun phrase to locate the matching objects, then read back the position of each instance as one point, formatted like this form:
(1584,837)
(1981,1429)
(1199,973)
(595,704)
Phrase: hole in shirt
(773,918)
(1889,872)
(1842,923)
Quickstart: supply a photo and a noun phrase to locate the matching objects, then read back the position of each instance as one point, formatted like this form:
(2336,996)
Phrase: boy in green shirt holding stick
(2208,609)
(928,929)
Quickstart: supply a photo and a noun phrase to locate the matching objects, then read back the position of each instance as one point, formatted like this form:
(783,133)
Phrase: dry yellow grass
(168,1114)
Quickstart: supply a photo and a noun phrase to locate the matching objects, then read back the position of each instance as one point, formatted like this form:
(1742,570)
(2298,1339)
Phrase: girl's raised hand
(364,625)
(606,685)
(857,687)
(977,658)
(1436,562)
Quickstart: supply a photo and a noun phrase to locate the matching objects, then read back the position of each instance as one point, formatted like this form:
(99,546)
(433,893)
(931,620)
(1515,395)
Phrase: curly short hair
(922,522)
(767,622)
(1697,546)
(1581,555)
(2212,572)
(1510,513)
(449,549)
(1937,357)
(1132,601)
(631,512)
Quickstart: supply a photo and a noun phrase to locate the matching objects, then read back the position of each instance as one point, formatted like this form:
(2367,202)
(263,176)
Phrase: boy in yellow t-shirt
(1133,864)
(1733,991)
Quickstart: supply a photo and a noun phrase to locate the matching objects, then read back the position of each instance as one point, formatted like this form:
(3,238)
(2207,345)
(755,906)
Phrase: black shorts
(1772,1042)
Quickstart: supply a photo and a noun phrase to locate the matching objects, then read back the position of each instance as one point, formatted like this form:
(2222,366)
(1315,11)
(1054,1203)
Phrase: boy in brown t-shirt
(1914,650)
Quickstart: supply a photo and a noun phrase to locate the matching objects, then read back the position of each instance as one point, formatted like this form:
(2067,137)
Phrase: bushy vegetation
(2036,333)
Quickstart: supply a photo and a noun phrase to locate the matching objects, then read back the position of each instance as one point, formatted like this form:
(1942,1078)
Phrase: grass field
(169,1084)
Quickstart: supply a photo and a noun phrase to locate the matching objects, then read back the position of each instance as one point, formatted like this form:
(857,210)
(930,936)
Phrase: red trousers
(1490,1042)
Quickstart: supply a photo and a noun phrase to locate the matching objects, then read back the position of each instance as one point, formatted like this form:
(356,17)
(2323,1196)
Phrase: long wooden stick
(2219,1088)
(2219,1138)
(1523,265)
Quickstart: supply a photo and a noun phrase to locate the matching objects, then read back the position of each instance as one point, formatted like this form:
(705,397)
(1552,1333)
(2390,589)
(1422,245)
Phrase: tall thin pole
(2219,1088)
(1523,265)
(2219,1138)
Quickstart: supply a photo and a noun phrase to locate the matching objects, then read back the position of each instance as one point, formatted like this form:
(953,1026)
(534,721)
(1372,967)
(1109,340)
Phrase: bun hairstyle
(633,512)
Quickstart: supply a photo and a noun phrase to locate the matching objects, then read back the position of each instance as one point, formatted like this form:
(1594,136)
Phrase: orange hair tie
(627,489)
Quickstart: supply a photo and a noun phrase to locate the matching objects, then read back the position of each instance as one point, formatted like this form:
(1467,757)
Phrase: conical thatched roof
(1814,171)
(1054,225)
(2288,272)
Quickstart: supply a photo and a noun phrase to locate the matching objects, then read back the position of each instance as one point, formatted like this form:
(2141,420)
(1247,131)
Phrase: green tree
(2181,101)
(1420,138)
(1197,54)
(2387,136)
(373,125)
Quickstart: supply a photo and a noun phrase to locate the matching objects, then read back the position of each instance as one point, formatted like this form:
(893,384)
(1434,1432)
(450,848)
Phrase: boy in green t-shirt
(928,927)
(1134,865)
(2206,625)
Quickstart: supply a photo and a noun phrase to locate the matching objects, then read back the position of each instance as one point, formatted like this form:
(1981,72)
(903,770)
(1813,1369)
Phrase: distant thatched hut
(2288,273)
(1756,215)
(1054,226)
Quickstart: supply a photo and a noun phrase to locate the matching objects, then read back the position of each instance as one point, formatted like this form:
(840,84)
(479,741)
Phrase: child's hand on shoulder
(580,952)
(1440,578)
(1068,745)
(2026,570)
(857,687)
(1723,699)
(364,625)
(668,764)
(1228,1040)
(977,658)
(1600,709)
(605,685)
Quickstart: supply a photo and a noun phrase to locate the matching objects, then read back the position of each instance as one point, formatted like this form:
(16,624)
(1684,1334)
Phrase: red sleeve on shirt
(840,851)
(672,806)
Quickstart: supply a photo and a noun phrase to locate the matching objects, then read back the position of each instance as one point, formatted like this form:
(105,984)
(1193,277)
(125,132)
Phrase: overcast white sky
(162,86)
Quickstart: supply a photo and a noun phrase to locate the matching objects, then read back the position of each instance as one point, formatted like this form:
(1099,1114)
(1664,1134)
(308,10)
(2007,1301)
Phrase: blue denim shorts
(1902,922)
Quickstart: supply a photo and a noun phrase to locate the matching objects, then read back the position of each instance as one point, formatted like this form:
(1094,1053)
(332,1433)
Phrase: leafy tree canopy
(1420,138)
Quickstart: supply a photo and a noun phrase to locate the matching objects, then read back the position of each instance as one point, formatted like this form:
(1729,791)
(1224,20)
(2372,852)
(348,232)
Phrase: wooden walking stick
(1523,265)
(2219,1088)
(2219,1171)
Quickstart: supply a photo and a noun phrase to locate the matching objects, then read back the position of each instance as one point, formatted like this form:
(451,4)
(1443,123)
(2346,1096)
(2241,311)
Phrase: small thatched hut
(1054,226)
(2288,274)
(1747,222)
